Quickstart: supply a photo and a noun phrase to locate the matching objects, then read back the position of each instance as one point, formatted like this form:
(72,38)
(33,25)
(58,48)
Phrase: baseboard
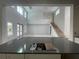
(37,36)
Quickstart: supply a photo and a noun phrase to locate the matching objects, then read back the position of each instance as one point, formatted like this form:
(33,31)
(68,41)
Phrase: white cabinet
(42,56)
(30,56)
(14,56)
(2,56)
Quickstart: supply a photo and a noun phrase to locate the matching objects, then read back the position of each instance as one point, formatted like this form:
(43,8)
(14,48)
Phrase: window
(57,11)
(10,28)
(20,10)
(18,29)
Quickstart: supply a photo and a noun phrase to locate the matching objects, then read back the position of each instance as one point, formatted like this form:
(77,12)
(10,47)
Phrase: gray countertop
(23,45)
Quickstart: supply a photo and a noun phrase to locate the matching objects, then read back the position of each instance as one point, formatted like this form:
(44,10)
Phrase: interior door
(19,31)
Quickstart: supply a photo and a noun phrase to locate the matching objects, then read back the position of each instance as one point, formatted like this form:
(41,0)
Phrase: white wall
(67,22)
(11,15)
(39,17)
(39,23)
(59,19)
(39,29)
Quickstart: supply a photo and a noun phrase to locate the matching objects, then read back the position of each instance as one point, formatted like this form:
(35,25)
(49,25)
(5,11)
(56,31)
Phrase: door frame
(20,36)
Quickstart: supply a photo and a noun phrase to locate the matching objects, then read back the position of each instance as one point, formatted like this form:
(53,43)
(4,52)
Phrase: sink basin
(38,46)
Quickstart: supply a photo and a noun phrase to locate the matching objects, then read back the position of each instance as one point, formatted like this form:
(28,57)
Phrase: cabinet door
(2,56)
(15,56)
(42,56)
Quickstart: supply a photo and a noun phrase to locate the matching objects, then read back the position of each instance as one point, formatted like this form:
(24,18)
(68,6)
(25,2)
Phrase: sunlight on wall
(10,28)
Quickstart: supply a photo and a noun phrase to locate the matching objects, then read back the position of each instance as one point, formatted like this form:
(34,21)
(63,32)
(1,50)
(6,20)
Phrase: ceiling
(41,8)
